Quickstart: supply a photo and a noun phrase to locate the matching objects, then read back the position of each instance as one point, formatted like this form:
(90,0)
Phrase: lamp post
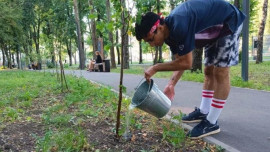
(245,49)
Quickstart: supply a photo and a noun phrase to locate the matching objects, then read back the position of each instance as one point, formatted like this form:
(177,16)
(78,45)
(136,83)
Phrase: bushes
(50,65)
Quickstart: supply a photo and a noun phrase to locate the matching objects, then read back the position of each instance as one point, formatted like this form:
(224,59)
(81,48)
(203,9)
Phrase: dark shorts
(223,52)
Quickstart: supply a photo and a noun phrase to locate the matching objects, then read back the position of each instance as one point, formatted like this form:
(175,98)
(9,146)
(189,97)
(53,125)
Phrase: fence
(266,47)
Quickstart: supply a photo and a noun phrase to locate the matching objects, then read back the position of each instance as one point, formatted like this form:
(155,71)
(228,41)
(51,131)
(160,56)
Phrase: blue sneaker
(204,128)
(195,116)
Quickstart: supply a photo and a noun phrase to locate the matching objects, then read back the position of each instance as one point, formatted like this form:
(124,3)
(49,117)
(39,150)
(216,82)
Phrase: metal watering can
(150,99)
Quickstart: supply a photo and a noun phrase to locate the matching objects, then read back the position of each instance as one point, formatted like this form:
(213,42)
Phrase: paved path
(244,122)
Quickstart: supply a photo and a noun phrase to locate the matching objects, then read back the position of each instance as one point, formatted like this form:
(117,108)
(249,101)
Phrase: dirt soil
(21,135)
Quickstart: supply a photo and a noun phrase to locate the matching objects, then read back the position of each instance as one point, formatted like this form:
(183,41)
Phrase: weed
(57,108)
(64,140)
(173,132)
(26,104)
(10,114)
(60,120)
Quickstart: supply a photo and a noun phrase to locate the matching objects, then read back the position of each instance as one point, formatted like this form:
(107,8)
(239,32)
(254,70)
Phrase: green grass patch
(63,140)
(65,119)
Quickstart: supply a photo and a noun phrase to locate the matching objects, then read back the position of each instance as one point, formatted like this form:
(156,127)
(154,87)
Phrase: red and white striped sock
(207,96)
(215,110)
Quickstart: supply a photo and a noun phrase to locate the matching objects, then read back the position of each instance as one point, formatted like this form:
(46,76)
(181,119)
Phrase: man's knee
(208,71)
(221,73)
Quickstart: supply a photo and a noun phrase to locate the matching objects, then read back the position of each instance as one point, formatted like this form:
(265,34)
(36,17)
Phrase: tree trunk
(79,36)
(126,52)
(93,28)
(75,58)
(160,60)
(159,47)
(237,3)
(4,57)
(156,55)
(124,37)
(261,32)
(113,65)
(117,49)
(36,36)
(62,76)
(197,60)
(18,56)
(68,39)
(7,52)
(172,4)
(52,56)
(68,44)
(81,28)
(13,60)
(140,59)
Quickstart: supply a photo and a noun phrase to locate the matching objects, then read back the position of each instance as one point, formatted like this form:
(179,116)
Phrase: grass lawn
(259,75)
(37,114)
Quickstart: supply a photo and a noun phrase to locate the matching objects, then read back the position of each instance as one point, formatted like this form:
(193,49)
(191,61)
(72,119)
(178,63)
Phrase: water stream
(127,135)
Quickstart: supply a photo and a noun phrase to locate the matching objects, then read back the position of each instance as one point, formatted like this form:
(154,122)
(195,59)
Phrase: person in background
(93,62)
(212,24)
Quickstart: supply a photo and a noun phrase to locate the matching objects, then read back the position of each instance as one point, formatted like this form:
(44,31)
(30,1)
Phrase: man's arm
(180,63)
(175,77)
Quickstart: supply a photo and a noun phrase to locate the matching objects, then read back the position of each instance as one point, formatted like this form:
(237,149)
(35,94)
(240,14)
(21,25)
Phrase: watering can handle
(141,83)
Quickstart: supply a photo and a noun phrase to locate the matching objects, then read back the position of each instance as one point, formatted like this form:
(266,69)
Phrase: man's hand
(148,73)
(169,91)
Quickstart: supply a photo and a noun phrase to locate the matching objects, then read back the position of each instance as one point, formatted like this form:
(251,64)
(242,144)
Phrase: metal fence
(266,47)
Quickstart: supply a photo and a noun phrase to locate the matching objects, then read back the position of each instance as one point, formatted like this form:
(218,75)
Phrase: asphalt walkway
(244,121)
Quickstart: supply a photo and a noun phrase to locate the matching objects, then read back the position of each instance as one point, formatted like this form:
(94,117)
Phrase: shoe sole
(191,121)
(204,135)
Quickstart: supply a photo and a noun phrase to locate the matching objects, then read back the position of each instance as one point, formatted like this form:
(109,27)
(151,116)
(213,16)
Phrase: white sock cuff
(218,103)
(210,91)
(207,93)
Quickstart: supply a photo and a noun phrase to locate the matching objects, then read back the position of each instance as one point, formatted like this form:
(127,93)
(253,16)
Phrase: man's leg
(222,89)
(207,94)
(223,54)
(209,125)
(208,89)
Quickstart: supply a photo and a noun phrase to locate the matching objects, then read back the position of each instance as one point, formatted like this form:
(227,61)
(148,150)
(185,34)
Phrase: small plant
(61,120)
(25,96)
(173,132)
(66,66)
(26,104)
(65,140)
(10,114)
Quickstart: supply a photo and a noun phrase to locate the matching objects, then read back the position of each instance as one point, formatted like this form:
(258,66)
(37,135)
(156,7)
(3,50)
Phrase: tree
(159,48)
(70,31)
(261,33)
(92,16)
(124,35)
(125,18)
(79,36)
(10,29)
(108,8)
(142,7)
(117,48)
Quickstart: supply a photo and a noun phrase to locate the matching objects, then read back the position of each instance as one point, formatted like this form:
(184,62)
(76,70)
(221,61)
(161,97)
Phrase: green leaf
(92,16)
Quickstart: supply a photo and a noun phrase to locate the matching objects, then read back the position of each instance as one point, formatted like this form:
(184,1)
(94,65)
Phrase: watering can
(150,99)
